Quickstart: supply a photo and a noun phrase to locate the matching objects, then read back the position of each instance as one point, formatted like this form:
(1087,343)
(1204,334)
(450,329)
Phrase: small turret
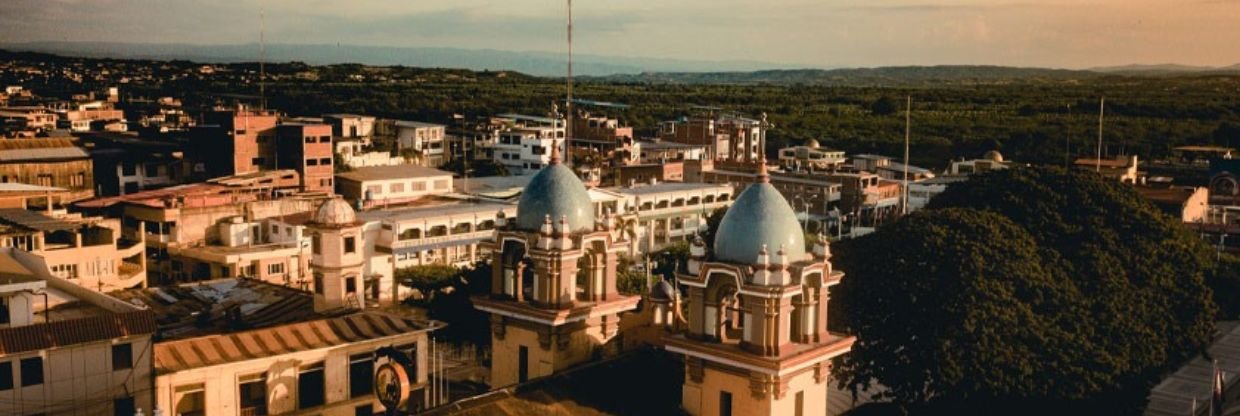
(697,255)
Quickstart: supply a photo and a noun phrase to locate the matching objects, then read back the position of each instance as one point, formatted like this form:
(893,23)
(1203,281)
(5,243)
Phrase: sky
(824,33)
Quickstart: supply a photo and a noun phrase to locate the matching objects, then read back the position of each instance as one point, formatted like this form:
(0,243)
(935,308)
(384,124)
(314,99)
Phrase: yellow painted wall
(703,399)
(505,354)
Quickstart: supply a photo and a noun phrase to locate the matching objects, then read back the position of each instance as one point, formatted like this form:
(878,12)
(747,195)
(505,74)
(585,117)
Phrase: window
(4,315)
(316,244)
(252,391)
(32,371)
(310,139)
(191,401)
(725,403)
(318,283)
(350,285)
(418,186)
(361,375)
(124,407)
(350,245)
(396,188)
(799,408)
(45,180)
(374,190)
(310,387)
(325,139)
(275,268)
(327,161)
(312,162)
(129,169)
(122,357)
(364,410)
(6,375)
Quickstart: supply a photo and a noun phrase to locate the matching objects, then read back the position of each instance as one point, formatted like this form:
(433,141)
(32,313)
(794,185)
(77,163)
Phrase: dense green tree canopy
(1037,288)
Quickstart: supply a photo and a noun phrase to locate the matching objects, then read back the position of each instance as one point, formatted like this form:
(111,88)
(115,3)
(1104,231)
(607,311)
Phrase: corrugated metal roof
(212,350)
(77,331)
(42,153)
(35,220)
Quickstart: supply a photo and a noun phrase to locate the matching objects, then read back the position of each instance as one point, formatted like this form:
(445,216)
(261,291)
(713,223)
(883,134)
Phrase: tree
(884,106)
(428,277)
(628,280)
(1225,284)
(455,307)
(712,224)
(1032,289)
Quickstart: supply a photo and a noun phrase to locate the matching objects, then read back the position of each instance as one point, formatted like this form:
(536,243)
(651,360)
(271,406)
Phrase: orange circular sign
(392,385)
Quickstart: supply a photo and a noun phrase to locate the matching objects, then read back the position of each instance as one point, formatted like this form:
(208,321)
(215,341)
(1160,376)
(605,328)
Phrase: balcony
(442,241)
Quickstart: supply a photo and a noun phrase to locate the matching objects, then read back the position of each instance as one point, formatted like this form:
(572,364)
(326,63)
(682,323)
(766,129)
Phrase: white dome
(335,212)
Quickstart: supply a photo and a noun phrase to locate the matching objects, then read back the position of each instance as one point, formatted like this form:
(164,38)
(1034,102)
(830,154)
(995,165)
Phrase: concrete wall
(220,383)
(79,380)
(704,398)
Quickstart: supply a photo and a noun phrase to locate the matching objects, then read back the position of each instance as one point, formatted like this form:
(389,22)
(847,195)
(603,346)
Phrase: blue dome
(555,191)
(759,216)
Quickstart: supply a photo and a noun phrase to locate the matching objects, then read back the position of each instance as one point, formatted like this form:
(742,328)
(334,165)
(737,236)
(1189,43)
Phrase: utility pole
(908,111)
(262,59)
(568,107)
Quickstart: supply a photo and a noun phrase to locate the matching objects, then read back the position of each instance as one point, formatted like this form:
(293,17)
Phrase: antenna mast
(1102,103)
(568,106)
(908,110)
(262,59)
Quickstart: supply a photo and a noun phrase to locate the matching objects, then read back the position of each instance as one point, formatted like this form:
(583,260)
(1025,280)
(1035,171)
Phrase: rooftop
(204,308)
(399,214)
(663,144)
(416,124)
(302,336)
(665,187)
(377,173)
(35,220)
(23,150)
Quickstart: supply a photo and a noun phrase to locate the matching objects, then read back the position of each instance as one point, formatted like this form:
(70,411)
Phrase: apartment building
(242,346)
(88,252)
(233,142)
(51,162)
(390,185)
(307,149)
(66,349)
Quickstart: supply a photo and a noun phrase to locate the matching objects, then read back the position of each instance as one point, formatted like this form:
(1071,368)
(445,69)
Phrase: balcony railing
(440,240)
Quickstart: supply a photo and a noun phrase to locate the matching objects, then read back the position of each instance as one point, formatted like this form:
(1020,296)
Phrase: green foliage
(1224,280)
(1033,289)
(671,258)
(427,277)
(712,224)
(338,163)
(884,106)
(454,307)
(628,280)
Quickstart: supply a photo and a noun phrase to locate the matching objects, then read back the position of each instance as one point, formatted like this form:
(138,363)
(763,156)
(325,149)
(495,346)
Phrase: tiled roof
(212,350)
(70,332)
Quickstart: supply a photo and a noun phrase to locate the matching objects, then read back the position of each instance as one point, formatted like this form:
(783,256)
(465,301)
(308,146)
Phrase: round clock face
(391,385)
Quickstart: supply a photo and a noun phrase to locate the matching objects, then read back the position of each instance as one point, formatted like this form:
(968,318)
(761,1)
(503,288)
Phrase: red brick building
(307,149)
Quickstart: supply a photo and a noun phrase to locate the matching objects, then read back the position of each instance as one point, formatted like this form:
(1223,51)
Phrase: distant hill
(951,74)
(534,63)
(1166,69)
